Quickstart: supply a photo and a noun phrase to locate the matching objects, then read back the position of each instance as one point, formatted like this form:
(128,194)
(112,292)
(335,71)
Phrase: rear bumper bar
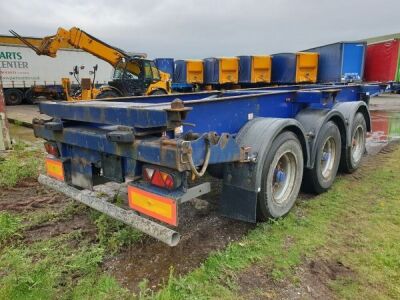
(129,217)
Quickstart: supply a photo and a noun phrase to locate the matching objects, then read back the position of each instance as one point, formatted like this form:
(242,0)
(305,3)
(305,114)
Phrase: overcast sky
(199,29)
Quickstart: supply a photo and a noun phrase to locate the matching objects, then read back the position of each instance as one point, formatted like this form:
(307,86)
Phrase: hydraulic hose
(205,164)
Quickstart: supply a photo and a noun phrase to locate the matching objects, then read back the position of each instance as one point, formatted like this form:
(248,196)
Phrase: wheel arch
(349,111)
(105,88)
(158,89)
(364,110)
(312,120)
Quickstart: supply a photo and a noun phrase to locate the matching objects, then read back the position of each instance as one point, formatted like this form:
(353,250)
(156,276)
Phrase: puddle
(385,129)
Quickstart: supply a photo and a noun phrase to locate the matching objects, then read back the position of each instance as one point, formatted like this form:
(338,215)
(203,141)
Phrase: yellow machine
(133,74)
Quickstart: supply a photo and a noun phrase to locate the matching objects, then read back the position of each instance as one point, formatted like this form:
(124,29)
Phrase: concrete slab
(387,102)
(24,114)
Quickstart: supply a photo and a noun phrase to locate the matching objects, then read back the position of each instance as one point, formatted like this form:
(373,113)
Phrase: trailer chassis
(233,134)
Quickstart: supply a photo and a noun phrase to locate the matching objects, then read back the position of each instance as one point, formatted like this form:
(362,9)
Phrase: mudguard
(349,111)
(242,181)
(312,121)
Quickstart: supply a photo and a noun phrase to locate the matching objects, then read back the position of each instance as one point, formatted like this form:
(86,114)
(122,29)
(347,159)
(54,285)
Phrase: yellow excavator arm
(79,39)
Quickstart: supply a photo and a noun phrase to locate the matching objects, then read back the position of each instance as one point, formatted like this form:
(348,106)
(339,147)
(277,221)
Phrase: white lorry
(25,75)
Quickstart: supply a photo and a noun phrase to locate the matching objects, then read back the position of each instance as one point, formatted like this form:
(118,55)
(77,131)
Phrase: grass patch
(9,226)
(375,251)
(369,243)
(113,234)
(20,164)
(55,269)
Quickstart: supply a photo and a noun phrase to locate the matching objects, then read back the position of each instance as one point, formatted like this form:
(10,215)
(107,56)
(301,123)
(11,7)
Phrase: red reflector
(157,179)
(51,149)
(169,182)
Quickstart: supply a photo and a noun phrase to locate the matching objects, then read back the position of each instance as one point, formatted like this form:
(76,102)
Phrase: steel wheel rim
(357,146)
(328,157)
(284,177)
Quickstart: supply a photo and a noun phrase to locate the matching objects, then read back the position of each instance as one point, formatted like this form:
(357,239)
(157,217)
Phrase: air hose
(205,164)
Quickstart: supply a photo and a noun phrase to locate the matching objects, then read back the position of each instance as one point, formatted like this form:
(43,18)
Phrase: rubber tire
(158,92)
(13,96)
(347,163)
(312,178)
(28,96)
(266,207)
(108,94)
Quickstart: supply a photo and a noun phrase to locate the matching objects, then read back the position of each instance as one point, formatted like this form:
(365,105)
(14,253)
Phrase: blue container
(180,71)
(221,70)
(165,65)
(245,62)
(211,70)
(284,68)
(340,62)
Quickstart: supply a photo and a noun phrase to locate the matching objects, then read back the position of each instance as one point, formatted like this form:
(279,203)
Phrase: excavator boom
(79,39)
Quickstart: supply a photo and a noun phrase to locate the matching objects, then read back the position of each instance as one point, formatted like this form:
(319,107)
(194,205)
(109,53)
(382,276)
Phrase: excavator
(133,75)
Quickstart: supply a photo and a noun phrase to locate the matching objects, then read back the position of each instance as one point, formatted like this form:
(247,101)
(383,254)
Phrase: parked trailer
(25,74)
(259,141)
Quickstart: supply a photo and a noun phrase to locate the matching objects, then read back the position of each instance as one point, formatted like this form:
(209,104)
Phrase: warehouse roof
(382,38)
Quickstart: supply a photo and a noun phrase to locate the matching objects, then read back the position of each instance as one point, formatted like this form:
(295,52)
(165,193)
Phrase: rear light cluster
(161,178)
(51,148)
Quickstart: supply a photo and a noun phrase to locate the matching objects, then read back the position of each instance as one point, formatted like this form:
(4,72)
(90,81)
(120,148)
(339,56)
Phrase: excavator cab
(134,76)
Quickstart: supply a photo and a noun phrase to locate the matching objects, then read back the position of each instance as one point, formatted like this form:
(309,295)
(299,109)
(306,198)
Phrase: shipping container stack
(341,62)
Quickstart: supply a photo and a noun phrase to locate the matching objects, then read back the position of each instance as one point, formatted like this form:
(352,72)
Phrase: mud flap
(242,181)
(238,203)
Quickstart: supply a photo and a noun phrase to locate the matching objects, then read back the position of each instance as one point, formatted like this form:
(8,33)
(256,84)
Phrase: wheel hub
(357,145)
(280,176)
(284,177)
(328,158)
